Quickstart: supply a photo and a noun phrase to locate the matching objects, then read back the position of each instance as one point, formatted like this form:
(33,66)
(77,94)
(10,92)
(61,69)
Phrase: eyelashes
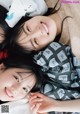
(36,42)
(17,79)
(28,29)
(25,89)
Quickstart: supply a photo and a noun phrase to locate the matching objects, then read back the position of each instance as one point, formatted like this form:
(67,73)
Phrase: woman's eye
(25,89)
(16,78)
(35,41)
(2,35)
(28,29)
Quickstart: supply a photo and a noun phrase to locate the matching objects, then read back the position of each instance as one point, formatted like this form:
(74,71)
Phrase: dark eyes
(2,35)
(16,78)
(35,41)
(25,89)
(28,29)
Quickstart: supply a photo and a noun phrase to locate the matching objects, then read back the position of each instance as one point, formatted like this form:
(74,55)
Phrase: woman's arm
(48,104)
(69,106)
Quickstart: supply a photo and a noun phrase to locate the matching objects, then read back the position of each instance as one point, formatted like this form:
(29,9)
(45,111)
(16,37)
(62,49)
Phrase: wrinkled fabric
(60,64)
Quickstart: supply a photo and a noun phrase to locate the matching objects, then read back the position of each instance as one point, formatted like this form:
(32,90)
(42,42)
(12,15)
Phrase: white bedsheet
(17,107)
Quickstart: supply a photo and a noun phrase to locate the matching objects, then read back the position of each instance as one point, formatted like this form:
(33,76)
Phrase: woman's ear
(2,67)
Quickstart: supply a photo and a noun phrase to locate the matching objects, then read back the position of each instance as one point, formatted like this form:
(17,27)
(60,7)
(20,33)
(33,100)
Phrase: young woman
(17,79)
(60,79)
(61,84)
(43,30)
(41,33)
(36,33)
(15,83)
(18,76)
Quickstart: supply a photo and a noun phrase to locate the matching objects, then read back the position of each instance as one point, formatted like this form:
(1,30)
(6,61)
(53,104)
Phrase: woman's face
(37,33)
(1,35)
(15,83)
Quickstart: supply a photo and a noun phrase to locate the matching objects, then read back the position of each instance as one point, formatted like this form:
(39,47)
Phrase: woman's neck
(57,20)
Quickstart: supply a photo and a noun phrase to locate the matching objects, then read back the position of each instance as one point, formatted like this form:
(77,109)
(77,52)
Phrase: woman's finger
(36,100)
(36,107)
(31,98)
(37,94)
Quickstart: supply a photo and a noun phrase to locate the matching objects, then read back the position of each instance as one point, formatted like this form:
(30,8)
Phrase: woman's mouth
(8,92)
(45,27)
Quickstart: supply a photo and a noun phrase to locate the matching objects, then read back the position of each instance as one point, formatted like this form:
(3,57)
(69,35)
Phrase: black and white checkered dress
(60,64)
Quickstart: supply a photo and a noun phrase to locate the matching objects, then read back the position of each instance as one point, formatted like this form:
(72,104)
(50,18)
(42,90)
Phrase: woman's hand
(41,103)
(47,104)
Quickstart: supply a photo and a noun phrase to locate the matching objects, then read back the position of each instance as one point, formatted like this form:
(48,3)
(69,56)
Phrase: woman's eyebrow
(28,86)
(20,74)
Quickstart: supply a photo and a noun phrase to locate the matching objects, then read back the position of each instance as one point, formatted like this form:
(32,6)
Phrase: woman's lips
(45,27)
(8,92)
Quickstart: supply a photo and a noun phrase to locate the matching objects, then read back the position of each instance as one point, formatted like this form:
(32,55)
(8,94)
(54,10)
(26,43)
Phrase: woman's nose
(37,33)
(13,90)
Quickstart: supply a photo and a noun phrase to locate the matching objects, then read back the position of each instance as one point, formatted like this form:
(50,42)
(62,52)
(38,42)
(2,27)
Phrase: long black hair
(19,57)
(15,58)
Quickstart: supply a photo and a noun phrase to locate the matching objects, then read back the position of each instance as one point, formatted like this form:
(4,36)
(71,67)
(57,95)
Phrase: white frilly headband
(18,8)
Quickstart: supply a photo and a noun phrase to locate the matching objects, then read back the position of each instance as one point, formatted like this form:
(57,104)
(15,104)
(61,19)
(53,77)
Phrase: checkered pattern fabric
(60,64)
